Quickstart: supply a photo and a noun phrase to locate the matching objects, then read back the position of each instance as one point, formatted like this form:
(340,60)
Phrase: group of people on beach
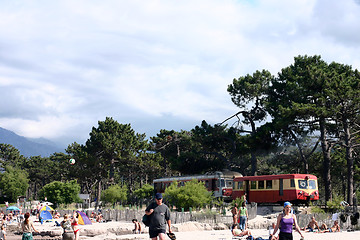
(283,228)
(313,225)
(159,214)
(69,225)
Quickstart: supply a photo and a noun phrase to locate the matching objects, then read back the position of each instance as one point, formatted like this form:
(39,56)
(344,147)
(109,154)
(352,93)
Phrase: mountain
(29,146)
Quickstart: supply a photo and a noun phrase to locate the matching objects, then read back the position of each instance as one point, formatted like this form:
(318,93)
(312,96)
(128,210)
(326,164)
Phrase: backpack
(146,220)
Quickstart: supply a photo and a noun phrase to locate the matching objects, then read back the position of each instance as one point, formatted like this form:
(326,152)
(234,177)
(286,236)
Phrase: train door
(247,190)
(281,187)
(215,187)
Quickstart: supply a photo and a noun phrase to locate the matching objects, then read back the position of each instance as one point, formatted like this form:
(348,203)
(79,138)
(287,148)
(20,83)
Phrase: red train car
(219,183)
(277,188)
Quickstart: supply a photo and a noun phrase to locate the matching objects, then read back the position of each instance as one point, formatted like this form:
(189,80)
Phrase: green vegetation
(115,194)
(61,192)
(13,183)
(145,192)
(335,204)
(192,195)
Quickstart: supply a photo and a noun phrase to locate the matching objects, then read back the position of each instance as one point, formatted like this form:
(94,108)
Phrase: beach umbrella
(13,208)
(83,219)
(46,208)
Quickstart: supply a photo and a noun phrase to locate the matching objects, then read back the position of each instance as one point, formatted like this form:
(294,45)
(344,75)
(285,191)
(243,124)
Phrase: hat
(158,196)
(286,204)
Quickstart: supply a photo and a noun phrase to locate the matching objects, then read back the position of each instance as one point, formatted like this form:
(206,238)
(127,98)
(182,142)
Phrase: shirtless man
(334,228)
(311,226)
(238,233)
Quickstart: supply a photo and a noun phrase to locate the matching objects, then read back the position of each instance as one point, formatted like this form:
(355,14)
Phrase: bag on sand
(171,236)
(146,220)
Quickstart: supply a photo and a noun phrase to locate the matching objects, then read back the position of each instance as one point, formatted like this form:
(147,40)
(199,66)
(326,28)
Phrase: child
(2,233)
(271,232)
(137,226)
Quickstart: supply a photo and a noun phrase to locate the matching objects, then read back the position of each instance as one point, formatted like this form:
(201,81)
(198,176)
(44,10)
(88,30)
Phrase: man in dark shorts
(159,216)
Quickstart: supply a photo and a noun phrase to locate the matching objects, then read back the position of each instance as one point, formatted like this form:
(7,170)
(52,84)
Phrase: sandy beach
(226,235)
(185,231)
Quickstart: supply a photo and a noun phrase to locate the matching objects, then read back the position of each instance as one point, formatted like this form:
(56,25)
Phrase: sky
(156,64)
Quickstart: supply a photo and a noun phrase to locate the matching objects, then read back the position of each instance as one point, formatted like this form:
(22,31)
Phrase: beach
(226,235)
(184,231)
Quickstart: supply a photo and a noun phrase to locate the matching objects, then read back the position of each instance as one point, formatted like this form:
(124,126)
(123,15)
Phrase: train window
(253,184)
(182,183)
(229,183)
(268,184)
(312,184)
(261,185)
(302,184)
(207,183)
(240,185)
(292,182)
(222,183)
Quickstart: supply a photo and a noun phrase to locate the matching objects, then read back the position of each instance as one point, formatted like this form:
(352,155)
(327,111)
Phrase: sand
(186,231)
(226,235)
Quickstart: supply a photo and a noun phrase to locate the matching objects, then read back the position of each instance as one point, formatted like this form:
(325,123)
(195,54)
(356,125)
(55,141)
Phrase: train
(220,183)
(296,188)
(229,185)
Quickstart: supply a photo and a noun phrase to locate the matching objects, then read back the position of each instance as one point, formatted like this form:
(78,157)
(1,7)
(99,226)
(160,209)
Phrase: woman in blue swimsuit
(285,222)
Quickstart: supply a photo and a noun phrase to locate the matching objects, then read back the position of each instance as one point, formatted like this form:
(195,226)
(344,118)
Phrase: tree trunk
(301,152)
(253,155)
(350,162)
(326,149)
(98,195)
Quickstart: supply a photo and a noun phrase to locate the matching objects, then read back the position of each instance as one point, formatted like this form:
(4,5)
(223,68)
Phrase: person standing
(234,212)
(27,226)
(159,216)
(75,225)
(286,220)
(2,233)
(243,216)
(68,233)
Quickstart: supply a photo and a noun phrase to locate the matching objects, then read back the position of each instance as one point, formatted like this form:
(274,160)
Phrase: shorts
(27,236)
(156,232)
(310,229)
(285,236)
(330,230)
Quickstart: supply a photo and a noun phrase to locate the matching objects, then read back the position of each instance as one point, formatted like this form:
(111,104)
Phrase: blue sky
(65,65)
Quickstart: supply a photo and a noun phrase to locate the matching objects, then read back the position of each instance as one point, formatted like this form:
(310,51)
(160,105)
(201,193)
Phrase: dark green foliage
(10,156)
(61,192)
(145,192)
(13,183)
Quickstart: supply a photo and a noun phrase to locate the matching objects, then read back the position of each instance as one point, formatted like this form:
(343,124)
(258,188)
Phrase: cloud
(156,64)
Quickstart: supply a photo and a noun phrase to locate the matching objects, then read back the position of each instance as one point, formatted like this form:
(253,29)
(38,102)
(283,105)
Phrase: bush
(192,194)
(237,201)
(335,204)
(115,194)
(145,192)
(316,209)
(61,192)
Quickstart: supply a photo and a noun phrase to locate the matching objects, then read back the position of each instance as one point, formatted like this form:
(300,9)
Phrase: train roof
(225,174)
(271,177)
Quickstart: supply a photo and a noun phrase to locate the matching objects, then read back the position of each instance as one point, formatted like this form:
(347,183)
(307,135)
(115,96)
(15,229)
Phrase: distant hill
(29,146)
